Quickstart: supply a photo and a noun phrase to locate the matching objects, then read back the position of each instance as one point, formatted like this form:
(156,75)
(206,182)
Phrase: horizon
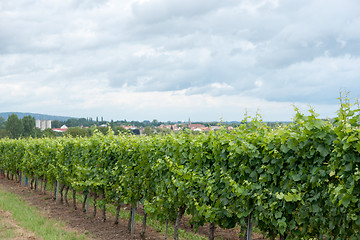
(2,114)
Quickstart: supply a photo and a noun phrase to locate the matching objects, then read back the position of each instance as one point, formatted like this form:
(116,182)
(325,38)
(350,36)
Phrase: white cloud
(200,56)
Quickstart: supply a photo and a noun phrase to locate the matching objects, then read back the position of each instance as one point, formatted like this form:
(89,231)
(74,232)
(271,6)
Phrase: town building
(43,124)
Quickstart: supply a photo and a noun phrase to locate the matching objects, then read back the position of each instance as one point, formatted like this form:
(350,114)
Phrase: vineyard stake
(57,191)
(166,228)
(26,181)
(87,201)
(248,232)
(133,219)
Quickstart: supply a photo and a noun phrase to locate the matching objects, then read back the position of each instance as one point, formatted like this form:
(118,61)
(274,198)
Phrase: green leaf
(278,215)
(322,150)
(282,225)
(289,197)
(345,201)
(280,196)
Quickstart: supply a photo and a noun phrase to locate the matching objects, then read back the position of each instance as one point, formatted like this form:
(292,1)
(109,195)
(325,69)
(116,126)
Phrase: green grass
(31,219)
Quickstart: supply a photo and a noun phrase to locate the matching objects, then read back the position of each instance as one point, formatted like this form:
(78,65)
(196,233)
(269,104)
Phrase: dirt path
(10,230)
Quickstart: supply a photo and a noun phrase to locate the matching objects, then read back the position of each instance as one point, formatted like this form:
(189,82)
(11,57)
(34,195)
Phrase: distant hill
(35,115)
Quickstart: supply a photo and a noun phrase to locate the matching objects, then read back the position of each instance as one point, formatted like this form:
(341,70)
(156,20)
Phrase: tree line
(15,127)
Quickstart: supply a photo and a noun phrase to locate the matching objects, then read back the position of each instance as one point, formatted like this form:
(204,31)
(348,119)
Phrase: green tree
(37,133)
(164,131)
(78,132)
(49,133)
(14,126)
(2,122)
(56,123)
(3,133)
(72,122)
(29,125)
(148,131)
(103,130)
(118,130)
(155,123)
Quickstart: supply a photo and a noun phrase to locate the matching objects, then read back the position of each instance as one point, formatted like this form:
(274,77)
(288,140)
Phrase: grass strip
(31,219)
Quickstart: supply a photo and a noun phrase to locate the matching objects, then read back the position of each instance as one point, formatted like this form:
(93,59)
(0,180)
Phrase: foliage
(148,131)
(14,126)
(78,132)
(2,122)
(29,125)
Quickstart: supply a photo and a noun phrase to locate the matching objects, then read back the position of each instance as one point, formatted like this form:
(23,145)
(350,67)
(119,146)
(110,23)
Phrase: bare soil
(95,228)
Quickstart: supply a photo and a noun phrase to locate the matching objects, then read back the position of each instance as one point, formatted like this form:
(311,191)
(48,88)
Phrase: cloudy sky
(175,59)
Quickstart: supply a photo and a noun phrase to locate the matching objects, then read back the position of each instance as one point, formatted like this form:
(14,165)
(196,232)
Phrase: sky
(171,60)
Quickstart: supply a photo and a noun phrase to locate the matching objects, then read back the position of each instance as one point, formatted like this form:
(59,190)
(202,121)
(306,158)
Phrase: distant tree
(78,132)
(48,133)
(3,133)
(72,122)
(14,126)
(37,133)
(2,122)
(56,123)
(148,131)
(112,125)
(78,122)
(103,130)
(164,131)
(29,125)
(120,130)
(155,123)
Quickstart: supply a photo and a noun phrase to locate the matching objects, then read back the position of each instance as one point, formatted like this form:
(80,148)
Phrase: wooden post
(212,231)
(177,222)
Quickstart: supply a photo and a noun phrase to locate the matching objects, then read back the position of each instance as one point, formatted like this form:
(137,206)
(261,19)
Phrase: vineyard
(299,181)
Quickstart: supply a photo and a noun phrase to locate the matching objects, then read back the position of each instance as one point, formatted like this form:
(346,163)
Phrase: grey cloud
(274,50)
(317,81)
(162,10)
